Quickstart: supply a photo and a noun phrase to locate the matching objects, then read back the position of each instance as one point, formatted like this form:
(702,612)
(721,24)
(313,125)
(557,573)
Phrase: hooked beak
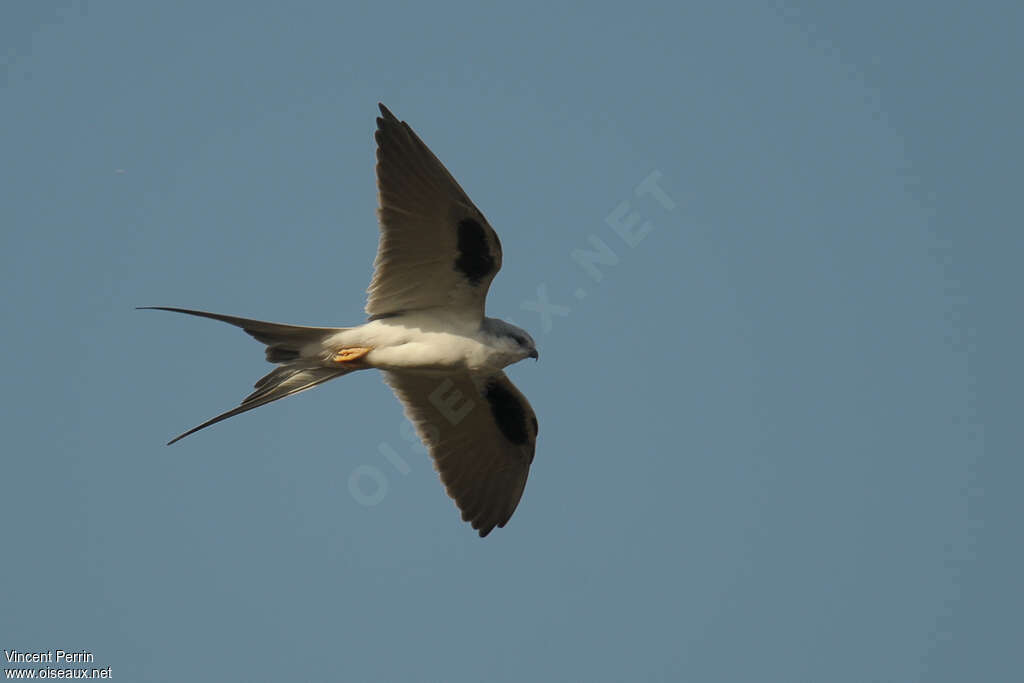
(534,355)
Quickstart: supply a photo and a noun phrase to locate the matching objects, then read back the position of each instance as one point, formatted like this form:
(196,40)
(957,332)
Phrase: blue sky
(779,426)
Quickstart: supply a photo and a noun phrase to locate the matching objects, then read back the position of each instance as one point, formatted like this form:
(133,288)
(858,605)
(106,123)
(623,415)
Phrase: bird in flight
(426,331)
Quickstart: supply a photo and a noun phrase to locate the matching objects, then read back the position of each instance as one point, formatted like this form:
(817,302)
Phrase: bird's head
(514,342)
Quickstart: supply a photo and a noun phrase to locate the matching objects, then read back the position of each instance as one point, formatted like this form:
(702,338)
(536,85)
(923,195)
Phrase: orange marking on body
(349,354)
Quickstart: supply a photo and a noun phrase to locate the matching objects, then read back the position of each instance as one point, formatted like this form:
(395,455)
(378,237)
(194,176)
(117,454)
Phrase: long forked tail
(298,371)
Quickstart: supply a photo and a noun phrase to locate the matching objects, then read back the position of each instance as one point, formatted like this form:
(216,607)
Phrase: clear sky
(779,417)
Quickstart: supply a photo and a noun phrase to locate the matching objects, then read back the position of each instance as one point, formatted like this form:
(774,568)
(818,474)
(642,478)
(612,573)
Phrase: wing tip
(489,526)
(386,116)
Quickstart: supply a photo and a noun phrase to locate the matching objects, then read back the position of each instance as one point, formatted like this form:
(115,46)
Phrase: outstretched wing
(436,248)
(481,434)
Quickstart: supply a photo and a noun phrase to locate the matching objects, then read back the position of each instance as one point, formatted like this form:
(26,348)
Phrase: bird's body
(431,341)
(427,332)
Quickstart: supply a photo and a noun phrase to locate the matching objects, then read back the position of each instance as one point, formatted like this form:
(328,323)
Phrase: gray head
(514,341)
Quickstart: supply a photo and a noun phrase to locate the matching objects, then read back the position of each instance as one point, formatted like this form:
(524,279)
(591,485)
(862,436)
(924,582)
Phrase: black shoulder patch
(508,412)
(475,260)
